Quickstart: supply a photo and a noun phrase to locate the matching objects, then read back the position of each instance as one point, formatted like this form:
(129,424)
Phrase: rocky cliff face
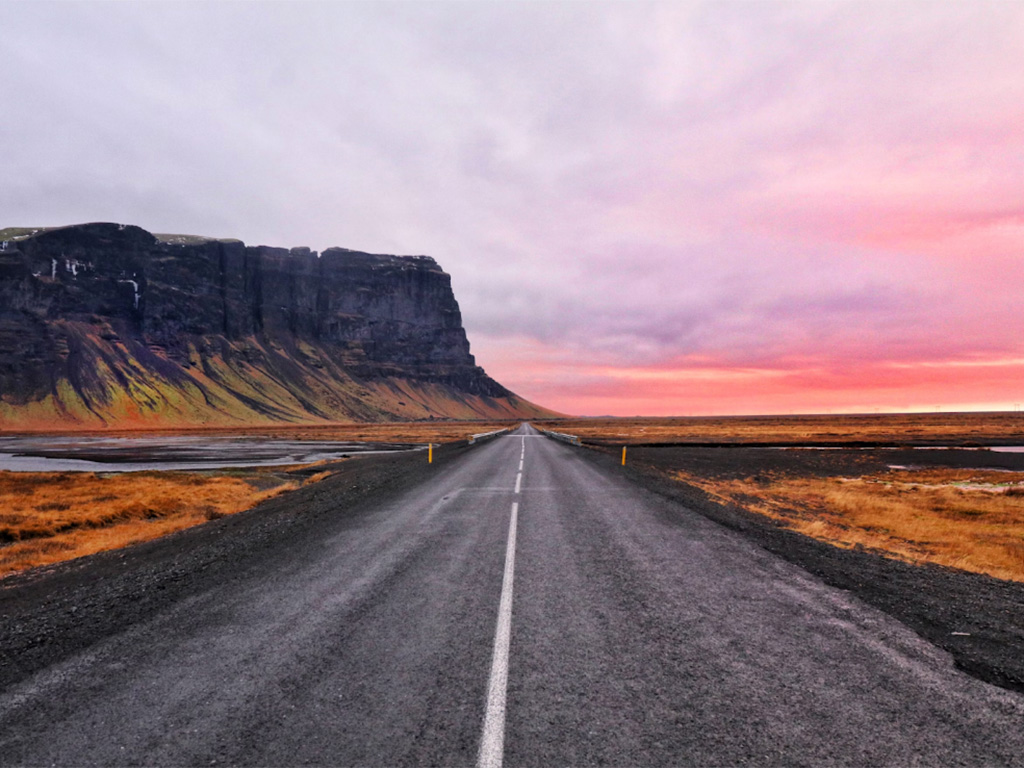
(106,324)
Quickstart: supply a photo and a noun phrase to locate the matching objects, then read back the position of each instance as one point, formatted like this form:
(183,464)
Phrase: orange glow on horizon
(701,388)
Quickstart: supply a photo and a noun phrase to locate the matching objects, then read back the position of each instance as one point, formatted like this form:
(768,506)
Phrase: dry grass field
(394,432)
(972,520)
(48,517)
(419,432)
(880,428)
(966,518)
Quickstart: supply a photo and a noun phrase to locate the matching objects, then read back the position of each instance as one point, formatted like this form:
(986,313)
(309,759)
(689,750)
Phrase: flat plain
(50,517)
(966,429)
(923,488)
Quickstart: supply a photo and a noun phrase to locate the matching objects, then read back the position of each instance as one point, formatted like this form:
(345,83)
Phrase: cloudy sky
(646,208)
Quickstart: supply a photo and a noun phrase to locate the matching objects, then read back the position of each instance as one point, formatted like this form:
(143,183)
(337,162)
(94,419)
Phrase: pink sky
(646,208)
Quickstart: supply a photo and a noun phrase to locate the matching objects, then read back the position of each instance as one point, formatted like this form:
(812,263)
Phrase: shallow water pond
(48,453)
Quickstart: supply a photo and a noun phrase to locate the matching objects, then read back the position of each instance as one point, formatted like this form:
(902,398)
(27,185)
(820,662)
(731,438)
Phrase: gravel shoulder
(979,620)
(48,614)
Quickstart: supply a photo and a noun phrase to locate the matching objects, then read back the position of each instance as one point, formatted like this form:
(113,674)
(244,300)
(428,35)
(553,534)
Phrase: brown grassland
(419,432)
(879,428)
(963,518)
(968,520)
(47,517)
(387,432)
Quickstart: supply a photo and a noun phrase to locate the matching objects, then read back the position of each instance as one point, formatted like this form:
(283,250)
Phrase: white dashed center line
(492,742)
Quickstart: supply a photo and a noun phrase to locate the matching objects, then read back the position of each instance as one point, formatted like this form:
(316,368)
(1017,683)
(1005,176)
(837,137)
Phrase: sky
(646,208)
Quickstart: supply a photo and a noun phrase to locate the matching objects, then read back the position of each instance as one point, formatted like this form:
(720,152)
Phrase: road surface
(523,606)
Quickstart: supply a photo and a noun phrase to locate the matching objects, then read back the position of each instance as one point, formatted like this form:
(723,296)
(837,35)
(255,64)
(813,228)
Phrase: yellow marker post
(430,453)
(623,455)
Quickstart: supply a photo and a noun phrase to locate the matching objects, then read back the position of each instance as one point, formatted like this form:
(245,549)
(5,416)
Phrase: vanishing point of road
(520,606)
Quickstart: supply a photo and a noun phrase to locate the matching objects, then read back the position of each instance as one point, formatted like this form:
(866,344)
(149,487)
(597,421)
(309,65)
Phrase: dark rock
(108,309)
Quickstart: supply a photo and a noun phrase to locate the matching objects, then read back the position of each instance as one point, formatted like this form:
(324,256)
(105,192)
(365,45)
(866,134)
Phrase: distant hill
(108,325)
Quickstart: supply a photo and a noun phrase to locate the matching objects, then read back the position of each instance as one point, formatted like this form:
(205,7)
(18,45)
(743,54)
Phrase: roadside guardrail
(571,439)
(482,435)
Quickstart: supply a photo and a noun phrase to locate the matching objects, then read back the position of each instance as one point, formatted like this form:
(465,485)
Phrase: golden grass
(419,432)
(972,520)
(967,519)
(896,428)
(47,517)
(392,432)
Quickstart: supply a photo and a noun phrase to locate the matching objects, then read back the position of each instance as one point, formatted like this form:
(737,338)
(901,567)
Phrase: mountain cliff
(108,325)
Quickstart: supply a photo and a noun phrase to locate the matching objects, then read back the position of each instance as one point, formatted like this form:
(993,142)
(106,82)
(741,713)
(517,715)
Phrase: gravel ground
(354,623)
(48,614)
(939,604)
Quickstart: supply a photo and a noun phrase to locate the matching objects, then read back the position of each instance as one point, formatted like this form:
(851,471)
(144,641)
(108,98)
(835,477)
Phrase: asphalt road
(633,632)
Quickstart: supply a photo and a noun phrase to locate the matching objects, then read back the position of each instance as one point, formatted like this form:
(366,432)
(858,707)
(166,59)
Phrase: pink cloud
(644,207)
(702,389)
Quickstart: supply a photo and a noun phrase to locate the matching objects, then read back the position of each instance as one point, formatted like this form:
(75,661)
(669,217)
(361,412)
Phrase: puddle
(136,454)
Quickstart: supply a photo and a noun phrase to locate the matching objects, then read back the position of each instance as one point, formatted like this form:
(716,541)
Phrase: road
(522,605)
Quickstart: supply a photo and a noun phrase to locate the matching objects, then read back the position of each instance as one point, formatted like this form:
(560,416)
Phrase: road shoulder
(48,614)
(979,620)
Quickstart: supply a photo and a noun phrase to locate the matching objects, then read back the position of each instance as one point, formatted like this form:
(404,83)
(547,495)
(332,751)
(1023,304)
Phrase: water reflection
(178,452)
